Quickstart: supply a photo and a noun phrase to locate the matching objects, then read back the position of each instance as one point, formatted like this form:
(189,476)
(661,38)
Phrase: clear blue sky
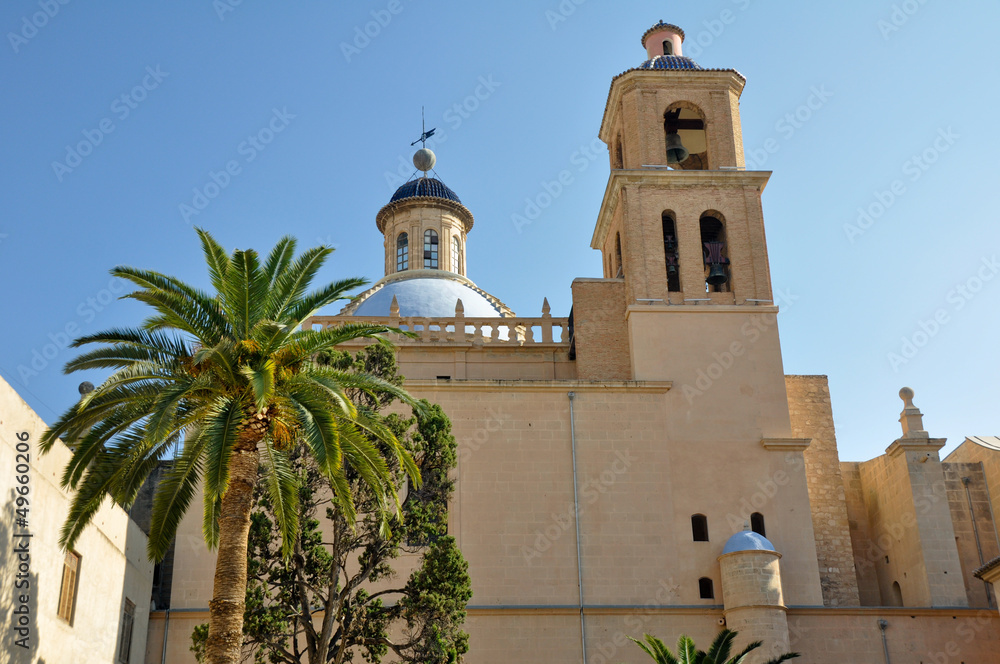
(894,82)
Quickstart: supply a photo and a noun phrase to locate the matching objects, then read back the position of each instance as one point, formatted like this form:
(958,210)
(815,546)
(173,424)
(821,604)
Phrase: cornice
(463,213)
(670,179)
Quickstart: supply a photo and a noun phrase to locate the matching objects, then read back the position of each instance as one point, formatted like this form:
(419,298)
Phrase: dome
(670,62)
(425,187)
(747,540)
(427,294)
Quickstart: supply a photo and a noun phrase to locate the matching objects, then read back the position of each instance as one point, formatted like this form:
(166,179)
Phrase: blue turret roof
(425,187)
(747,540)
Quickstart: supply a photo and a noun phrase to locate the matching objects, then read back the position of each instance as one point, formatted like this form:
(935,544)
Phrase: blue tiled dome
(670,62)
(747,540)
(425,187)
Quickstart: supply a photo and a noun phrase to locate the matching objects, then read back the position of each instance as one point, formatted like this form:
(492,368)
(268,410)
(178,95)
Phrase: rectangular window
(67,593)
(125,638)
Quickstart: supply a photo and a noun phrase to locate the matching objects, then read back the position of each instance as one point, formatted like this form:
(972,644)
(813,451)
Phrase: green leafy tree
(231,374)
(317,606)
(719,652)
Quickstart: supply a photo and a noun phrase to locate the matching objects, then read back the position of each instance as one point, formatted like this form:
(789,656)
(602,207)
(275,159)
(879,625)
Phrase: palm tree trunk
(225,622)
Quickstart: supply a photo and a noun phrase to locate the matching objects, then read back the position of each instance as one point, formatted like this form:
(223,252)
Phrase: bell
(676,152)
(716,274)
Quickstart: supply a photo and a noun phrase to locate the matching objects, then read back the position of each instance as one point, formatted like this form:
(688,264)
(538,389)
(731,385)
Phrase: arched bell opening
(671,254)
(715,253)
(686,138)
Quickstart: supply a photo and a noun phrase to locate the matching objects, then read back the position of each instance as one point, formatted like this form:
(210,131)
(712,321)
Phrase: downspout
(882,625)
(975,529)
(576,511)
(166,632)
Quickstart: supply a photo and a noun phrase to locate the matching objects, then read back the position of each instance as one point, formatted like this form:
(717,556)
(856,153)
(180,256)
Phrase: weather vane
(423,127)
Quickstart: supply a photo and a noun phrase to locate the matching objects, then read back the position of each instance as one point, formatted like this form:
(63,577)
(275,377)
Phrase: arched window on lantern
(670,253)
(668,47)
(620,272)
(402,252)
(757,524)
(715,252)
(430,249)
(456,254)
(699,527)
(706,589)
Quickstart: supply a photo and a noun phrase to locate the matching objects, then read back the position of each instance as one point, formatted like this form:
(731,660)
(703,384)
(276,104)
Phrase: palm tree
(232,375)
(718,653)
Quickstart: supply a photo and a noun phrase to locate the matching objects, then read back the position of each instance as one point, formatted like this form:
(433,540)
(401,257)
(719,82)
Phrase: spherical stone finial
(906,394)
(424,159)
(86,387)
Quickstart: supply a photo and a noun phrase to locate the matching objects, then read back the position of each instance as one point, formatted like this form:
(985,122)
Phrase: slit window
(125,638)
(618,256)
(431,249)
(402,252)
(757,524)
(67,592)
(706,589)
(699,528)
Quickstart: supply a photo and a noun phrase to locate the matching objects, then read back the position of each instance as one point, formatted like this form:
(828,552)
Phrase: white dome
(427,294)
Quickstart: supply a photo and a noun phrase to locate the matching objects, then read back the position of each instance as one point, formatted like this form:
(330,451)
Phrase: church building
(645,465)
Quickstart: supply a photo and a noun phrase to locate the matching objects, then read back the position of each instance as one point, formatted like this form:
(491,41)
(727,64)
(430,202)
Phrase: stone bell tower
(686,298)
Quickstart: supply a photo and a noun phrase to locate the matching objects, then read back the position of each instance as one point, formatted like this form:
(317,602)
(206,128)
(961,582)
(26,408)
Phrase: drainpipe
(166,633)
(576,510)
(883,625)
(975,529)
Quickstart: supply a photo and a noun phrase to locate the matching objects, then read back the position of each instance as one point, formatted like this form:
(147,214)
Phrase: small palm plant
(718,653)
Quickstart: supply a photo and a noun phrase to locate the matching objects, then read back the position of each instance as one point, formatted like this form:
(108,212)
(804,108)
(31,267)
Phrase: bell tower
(681,220)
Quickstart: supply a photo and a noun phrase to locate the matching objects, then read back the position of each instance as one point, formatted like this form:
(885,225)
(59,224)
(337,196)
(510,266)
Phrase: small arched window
(699,528)
(402,252)
(668,47)
(706,589)
(618,256)
(897,594)
(456,254)
(757,524)
(430,249)
(619,158)
(670,253)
